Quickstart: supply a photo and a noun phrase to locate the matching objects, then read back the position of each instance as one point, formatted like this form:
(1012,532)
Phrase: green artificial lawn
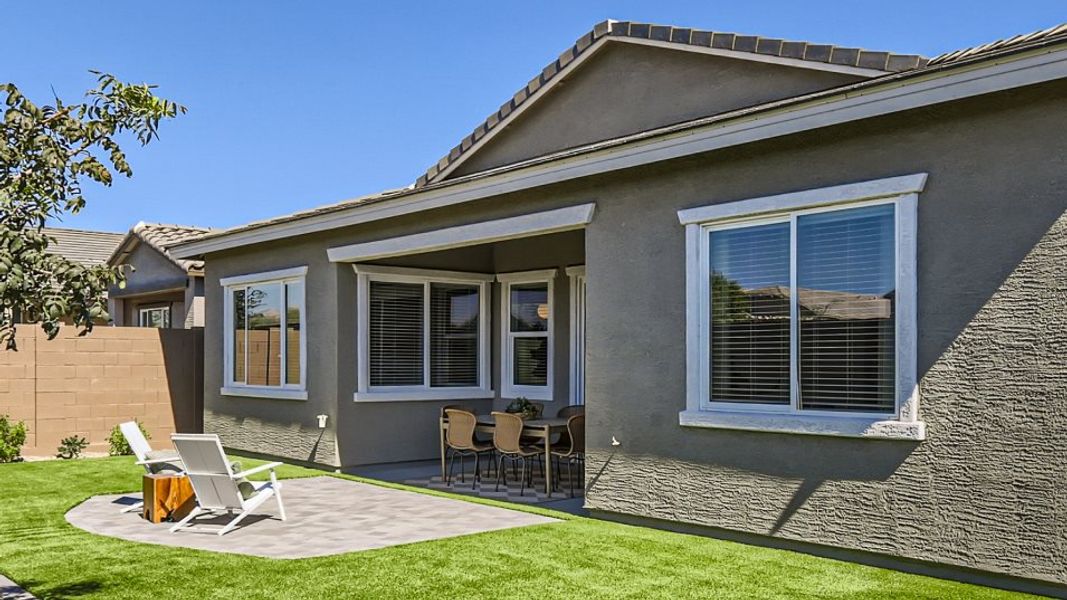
(576,558)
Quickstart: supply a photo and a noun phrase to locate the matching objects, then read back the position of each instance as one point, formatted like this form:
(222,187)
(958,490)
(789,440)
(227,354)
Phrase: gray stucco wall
(626,88)
(984,491)
(987,489)
(151,274)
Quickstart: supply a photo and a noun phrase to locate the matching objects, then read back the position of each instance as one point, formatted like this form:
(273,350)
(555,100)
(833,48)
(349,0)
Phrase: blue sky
(293,105)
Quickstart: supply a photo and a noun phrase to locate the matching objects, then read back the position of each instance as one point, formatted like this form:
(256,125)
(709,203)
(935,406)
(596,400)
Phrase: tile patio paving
(326,515)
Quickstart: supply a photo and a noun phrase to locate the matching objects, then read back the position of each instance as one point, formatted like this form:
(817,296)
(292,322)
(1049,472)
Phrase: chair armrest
(153,461)
(266,467)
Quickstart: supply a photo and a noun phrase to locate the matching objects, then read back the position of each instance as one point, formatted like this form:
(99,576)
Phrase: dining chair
(459,441)
(569,411)
(507,440)
(572,450)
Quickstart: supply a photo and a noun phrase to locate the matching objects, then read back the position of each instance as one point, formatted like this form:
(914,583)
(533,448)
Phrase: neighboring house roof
(860,61)
(84,247)
(160,237)
(986,54)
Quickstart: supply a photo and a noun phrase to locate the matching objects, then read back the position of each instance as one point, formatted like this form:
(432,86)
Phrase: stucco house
(160,290)
(816,295)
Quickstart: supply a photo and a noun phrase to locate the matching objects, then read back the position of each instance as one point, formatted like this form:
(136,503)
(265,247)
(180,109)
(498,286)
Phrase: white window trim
(141,311)
(577,325)
(507,389)
(367,393)
(284,392)
(700,411)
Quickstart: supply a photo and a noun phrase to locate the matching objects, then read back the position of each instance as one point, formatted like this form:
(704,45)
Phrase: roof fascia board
(539,223)
(1010,72)
(754,57)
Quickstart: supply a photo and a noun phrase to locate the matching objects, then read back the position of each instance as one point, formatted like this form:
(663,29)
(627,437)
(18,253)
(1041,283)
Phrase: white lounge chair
(153,461)
(216,485)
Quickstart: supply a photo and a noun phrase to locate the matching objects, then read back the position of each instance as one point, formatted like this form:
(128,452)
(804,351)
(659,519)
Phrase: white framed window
(423,334)
(526,331)
(801,312)
(154,316)
(265,337)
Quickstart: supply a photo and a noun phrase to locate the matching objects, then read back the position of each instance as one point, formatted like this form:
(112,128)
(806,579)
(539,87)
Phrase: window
(156,316)
(265,337)
(803,318)
(526,356)
(423,335)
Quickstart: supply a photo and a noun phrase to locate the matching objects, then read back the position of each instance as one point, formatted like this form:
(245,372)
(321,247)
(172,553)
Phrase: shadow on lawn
(45,591)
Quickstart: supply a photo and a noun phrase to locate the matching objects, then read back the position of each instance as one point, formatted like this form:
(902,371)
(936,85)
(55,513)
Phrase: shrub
(118,443)
(12,437)
(71,447)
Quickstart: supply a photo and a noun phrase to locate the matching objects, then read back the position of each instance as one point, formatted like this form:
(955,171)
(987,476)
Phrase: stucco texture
(984,491)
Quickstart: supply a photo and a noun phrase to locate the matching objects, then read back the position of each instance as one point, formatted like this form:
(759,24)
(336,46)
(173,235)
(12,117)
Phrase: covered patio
(482,317)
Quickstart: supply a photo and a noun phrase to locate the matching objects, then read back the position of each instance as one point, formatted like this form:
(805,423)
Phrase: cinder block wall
(86,385)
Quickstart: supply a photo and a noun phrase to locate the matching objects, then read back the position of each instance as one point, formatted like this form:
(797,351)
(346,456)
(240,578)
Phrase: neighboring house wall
(626,88)
(986,488)
(85,385)
(153,281)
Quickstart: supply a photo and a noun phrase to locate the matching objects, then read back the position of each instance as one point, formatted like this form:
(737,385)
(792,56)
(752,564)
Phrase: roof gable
(854,61)
(628,88)
(159,237)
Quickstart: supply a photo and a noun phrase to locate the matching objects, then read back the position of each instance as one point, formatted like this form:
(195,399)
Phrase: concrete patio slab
(326,515)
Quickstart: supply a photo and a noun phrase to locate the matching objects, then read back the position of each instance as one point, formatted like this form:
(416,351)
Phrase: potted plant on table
(522,407)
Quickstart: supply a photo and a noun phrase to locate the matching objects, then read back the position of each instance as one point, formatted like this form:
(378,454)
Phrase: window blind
(454,314)
(750,314)
(845,286)
(396,333)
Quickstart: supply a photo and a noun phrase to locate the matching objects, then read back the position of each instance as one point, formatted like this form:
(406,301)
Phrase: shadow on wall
(809,460)
(183,359)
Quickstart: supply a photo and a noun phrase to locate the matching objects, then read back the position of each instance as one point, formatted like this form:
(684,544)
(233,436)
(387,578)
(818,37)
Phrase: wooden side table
(167,495)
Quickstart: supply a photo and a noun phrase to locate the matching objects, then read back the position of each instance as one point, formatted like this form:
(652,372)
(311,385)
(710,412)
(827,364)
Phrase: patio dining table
(541,429)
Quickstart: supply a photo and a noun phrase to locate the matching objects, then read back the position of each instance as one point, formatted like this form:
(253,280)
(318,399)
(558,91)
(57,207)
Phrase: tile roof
(1044,35)
(1019,43)
(161,236)
(84,247)
(886,62)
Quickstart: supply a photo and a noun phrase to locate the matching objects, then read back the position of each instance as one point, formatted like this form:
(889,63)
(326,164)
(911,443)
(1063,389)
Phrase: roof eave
(502,179)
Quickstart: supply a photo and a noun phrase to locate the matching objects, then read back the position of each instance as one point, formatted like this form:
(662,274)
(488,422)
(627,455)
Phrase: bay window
(265,334)
(801,312)
(423,334)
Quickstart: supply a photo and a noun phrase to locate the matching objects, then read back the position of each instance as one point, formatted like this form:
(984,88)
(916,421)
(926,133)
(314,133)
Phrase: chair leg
(522,484)
(188,518)
(277,494)
(477,469)
(501,472)
(229,526)
(462,469)
(451,463)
